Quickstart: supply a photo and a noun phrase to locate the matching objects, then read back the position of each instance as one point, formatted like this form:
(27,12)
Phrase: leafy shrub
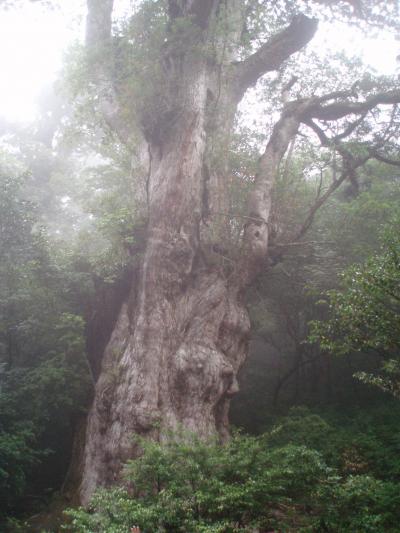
(40,400)
(365,314)
(192,486)
(186,485)
(362,504)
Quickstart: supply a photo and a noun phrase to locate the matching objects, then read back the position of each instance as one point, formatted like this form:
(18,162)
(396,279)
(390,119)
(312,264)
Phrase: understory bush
(250,483)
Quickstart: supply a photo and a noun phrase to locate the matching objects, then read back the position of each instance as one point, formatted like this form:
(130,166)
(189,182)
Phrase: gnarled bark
(179,341)
(182,334)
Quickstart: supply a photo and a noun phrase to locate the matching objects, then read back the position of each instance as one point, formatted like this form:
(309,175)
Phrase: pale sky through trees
(33,41)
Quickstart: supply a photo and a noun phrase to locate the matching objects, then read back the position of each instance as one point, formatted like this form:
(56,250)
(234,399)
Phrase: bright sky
(33,41)
(32,44)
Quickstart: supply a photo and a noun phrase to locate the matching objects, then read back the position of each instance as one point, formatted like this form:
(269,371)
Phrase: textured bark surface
(178,343)
(175,351)
(182,335)
(182,332)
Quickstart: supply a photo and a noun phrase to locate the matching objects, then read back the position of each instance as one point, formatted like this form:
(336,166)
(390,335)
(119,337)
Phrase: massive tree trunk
(182,334)
(180,339)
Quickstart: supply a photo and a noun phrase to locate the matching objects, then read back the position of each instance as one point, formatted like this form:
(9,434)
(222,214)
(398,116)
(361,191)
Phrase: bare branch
(335,111)
(98,43)
(299,364)
(327,141)
(256,230)
(338,110)
(351,165)
(350,128)
(316,206)
(383,159)
(275,51)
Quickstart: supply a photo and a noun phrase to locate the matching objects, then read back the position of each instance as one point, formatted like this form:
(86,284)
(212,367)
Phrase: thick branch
(274,52)
(98,44)
(383,159)
(349,167)
(339,110)
(295,113)
(322,199)
(255,239)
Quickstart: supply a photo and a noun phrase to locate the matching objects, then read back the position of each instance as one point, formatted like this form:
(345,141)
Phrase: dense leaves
(365,315)
(44,378)
(251,482)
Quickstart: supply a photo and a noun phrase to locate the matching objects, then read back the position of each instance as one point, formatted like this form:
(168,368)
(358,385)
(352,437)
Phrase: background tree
(283,368)
(365,313)
(44,378)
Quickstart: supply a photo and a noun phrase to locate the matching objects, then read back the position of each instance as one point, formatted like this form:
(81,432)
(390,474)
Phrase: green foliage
(302,428)
(365,314)
(353,441)
(38,400)
(44,376)
(355,224)
(188,485)
(114,232)
(362,504)
(17,456)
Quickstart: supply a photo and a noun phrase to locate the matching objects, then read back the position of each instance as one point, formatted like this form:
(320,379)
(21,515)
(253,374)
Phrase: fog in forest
(199,266)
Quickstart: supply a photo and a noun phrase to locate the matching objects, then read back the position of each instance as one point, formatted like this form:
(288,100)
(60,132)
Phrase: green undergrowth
(308,473)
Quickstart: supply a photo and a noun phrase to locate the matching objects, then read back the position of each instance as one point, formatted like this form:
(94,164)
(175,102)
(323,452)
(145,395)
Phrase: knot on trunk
(201,372)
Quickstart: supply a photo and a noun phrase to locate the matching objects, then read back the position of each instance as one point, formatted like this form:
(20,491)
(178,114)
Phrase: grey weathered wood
(182,334)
